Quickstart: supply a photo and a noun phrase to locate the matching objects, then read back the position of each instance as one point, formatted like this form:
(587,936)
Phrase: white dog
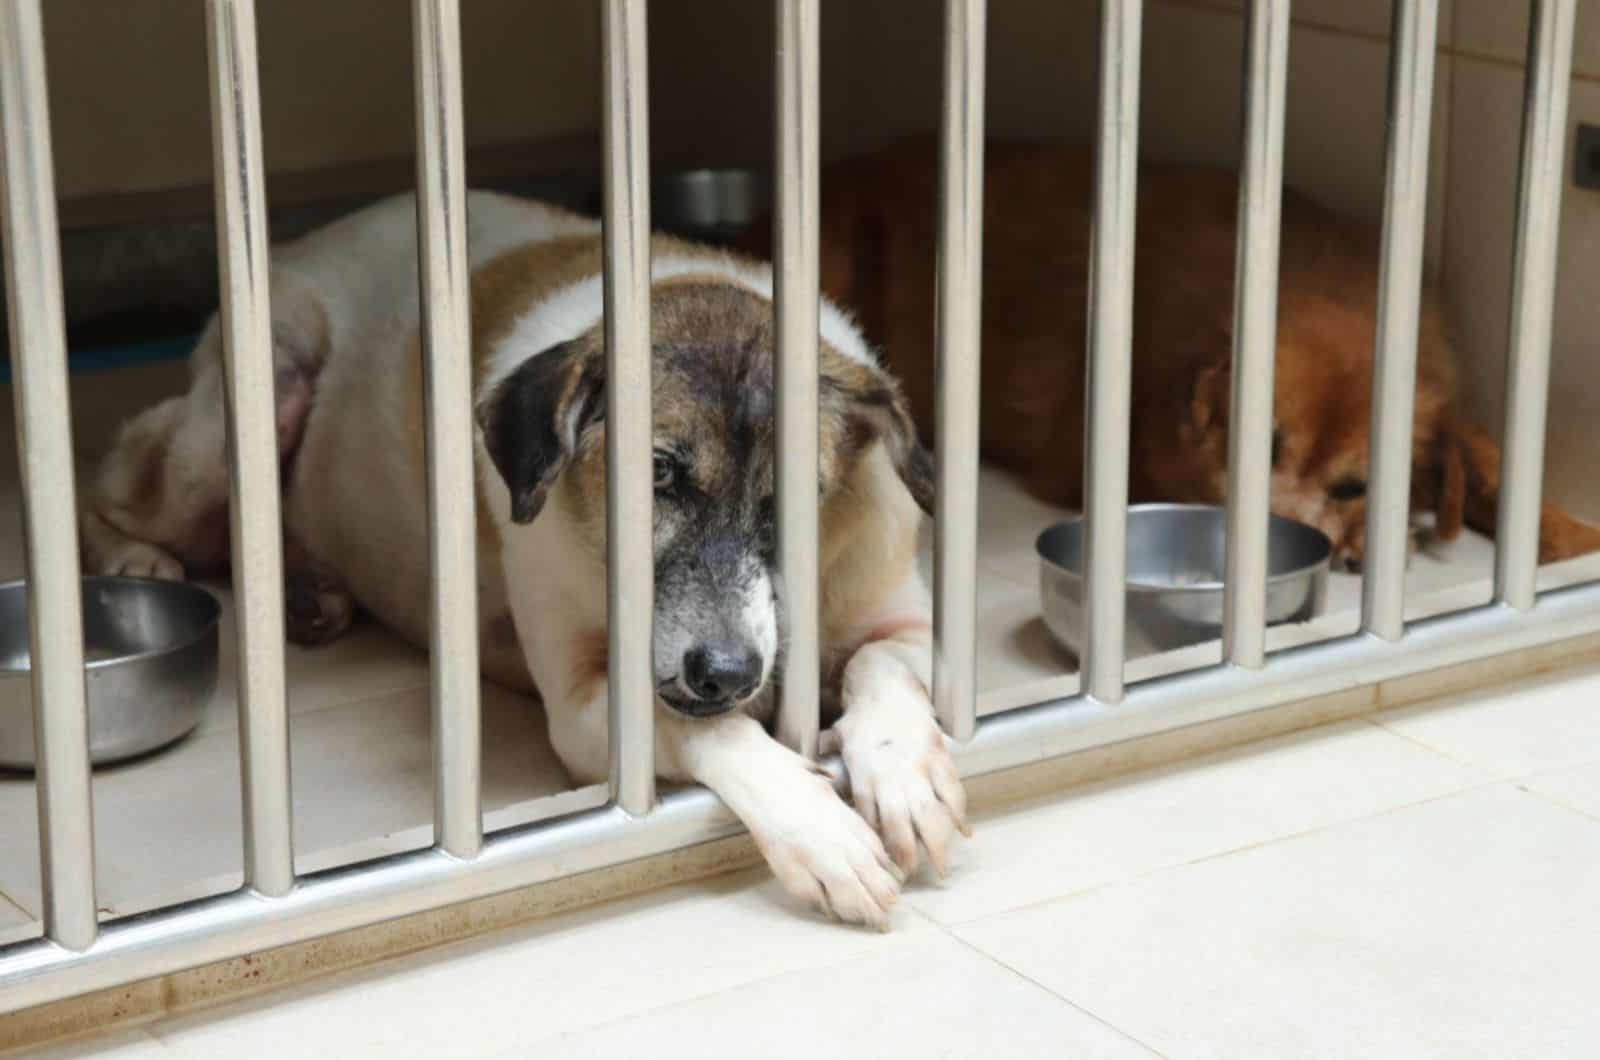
(349,406)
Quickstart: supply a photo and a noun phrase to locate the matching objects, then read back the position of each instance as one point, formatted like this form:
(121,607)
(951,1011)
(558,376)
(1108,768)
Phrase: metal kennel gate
(274,907)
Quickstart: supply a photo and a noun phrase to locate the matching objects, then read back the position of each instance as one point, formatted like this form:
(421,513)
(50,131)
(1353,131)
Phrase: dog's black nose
(721,672)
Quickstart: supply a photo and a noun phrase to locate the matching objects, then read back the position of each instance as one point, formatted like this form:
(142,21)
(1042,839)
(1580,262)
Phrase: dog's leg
(818,847)
(902,778)
(158,503)
(1560,535)
(821,851)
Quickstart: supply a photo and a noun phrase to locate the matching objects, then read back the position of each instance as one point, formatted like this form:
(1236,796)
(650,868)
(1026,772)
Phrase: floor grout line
(1065,1000)
(1376,721)
(1551,800)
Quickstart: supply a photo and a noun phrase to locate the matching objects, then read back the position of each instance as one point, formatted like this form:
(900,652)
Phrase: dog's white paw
(136,559)
(824,854)
(902,778)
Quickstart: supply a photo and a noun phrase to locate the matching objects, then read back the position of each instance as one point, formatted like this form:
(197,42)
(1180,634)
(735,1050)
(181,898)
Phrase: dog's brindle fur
(351,434)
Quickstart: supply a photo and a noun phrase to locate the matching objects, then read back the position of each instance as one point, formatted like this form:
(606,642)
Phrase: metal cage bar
(795,237)
(447,367)
(44,453)
(1533,291)
(960,301)
(1394,377)
(1110,343)
(630,496)
(255,519)
(1255,334)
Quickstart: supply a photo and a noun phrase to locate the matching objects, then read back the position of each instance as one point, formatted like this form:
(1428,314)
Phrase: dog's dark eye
(666,471)
(1277,447)
(1347,489)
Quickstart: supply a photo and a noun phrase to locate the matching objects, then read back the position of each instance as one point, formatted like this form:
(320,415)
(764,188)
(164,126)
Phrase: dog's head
(718,627)
(1322,410)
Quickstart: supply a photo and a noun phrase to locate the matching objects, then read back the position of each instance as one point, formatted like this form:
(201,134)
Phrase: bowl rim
(681,176)
(1134,585)
(207,629)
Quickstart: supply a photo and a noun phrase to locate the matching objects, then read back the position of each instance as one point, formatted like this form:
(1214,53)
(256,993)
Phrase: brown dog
(879,247)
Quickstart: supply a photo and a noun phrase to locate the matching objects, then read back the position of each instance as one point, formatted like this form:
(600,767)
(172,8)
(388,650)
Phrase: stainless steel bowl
(151,651)
(1176,558)
(710,204)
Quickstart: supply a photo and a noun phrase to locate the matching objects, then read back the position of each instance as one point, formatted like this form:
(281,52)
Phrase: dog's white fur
(345,306)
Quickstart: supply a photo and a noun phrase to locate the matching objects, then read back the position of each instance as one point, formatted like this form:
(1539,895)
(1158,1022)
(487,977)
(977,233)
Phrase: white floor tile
(1198,808)
(929,996)
(169,827)
(1014,645)
(1461,928)
(1534,725)
(367,661)
(1577,788)
(1009,522)
(564,975)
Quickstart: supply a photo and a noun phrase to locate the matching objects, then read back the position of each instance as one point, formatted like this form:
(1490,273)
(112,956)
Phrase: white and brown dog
(349,407)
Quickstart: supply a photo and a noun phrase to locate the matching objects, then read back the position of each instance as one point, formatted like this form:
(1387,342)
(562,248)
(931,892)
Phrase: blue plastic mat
(99,358)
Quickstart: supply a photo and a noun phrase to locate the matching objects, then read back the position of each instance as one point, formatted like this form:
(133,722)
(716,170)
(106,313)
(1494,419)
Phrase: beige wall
(128,83)
(128,88)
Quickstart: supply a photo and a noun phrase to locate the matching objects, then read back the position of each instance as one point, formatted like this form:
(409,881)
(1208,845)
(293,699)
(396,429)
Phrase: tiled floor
(1422,885)
(360,738)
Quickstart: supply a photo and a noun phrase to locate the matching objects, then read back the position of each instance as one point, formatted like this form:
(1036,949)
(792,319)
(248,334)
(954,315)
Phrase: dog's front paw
(902,778)
(824,854)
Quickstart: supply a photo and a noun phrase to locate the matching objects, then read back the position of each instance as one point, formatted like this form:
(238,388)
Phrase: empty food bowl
(1176,558)
(710,204)
(150,651)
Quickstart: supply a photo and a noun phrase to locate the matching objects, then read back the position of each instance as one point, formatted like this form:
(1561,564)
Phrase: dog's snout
(722,672)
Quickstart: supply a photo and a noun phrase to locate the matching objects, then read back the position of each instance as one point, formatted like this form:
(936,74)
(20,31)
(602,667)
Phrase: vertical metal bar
(1255,334)
(447,340)
(1110,344)
(630,496)
(1394,378)
(795,305)
(44,452)
(1533,286)
(255,518)
(960,300)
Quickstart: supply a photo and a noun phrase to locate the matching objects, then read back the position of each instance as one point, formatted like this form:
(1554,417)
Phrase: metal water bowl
(150,651)
(1176,559)
(716,205)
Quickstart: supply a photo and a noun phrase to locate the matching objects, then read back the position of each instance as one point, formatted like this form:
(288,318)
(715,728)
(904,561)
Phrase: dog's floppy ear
(872,408)
(533,418)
